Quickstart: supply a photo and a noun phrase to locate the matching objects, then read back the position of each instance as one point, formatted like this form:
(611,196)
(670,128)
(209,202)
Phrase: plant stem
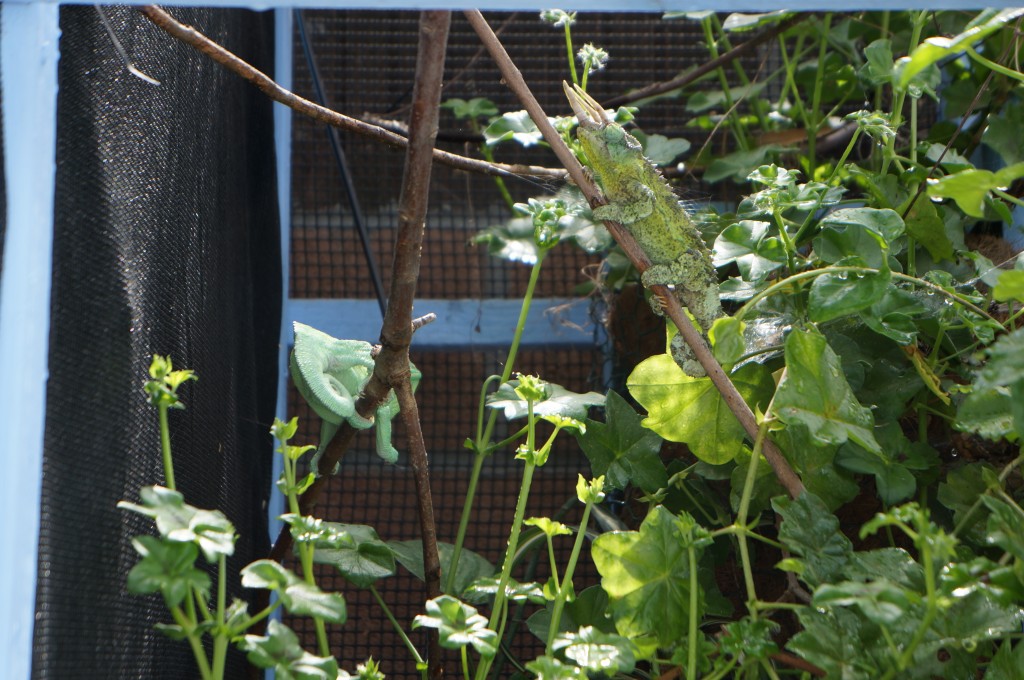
(563,590)
(497,620)
(691,651)
(789,281)
(735,125)
(814,119)
(484,441)
(220,638)
(187,622)
(165,447)
(394,623)
(572,57)
(741,515)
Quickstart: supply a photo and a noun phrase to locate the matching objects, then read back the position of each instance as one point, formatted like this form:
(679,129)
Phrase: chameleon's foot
(686,359)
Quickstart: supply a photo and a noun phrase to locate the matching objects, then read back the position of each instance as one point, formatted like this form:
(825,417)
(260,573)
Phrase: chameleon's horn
(586,108)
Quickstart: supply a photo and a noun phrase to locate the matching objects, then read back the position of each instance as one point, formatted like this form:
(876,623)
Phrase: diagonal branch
(266,84)
(514,79)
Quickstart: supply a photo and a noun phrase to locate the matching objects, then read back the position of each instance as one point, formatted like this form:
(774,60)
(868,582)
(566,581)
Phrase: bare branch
(233,63)
(514,79)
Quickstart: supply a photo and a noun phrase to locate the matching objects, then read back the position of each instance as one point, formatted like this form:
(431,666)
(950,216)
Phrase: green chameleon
(329,374)
(641,200)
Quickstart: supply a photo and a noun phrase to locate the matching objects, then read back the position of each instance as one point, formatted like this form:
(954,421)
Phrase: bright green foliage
(622,450)
(363,560)
(472,566)
(166,567)
(646,574)
(551,400)
(547,668)
(596,651)
(459,625)
(178,521)
(280,651)
(814,394)
(298,597)
(689,410)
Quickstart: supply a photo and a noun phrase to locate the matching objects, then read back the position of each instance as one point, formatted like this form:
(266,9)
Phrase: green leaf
(864,233)
(210,530)
(1002,133)
(927,227)
(963,486)
(516,126)
(306,599)
(933,50)
(749,245)
(738,164)
(748,638)
(814,393)
(280,650)
(727,340)
(363,562)
(621,449)
(646,574)
(893,316)
(547,668)
(297,596)
(987,413)
(1007,662)
(557,401)
(596,651)
(881,601)
(877,69)
(837,294)
(661,150)
(811,532)
(834,642)
(706,100)
(458,625)
(472,566)
(815,465)
(166,567)
(1010,286)
(971,188)
(477,107)
(590,608)
(1005,526)
(689,410)
(484,589)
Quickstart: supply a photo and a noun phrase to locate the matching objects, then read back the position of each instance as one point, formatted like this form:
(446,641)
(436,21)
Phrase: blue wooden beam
(28,39)
(463,324)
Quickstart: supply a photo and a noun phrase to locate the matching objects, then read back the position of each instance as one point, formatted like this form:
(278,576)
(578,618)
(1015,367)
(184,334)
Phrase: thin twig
(233,63)
(514,79)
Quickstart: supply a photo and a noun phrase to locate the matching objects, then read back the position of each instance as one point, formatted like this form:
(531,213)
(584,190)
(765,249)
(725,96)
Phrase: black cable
(339,156)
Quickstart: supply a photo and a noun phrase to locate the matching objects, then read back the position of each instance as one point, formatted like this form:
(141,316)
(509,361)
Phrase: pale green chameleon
(329,374)
(641,200)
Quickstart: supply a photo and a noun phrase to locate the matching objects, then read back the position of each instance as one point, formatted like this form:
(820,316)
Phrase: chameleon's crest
(588,112)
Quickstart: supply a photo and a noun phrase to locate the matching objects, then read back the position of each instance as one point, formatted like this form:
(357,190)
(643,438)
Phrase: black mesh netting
(166,241)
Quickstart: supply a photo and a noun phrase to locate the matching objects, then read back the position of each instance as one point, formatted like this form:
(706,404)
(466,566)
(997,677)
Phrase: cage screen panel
(367,61)
(166,241)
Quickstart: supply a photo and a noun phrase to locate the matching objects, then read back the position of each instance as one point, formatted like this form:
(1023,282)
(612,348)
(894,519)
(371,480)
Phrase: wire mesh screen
(166,241)
(366,61)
